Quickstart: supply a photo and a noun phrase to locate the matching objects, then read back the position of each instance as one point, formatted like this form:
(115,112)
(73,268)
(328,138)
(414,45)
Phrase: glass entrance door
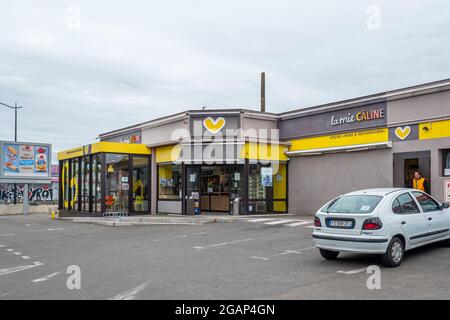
(214,186)
(117,183)
(139,191)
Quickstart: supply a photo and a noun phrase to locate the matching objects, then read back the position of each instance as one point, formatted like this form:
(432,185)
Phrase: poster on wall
(266,177)
(447,191)
(24,160)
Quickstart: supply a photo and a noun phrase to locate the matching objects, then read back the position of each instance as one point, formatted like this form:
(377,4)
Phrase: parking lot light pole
(15,137)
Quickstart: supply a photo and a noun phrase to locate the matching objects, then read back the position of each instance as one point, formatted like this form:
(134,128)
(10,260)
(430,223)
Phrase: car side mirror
(445,205)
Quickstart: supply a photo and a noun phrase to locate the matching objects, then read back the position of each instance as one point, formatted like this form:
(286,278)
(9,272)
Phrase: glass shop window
(446,162)
(169,182)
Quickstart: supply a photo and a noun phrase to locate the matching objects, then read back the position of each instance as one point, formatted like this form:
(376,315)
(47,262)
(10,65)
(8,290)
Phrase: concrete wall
(169,207)
(163,133)
(417,109)
(314,180)
(18,209)
(251,123)
(435,146)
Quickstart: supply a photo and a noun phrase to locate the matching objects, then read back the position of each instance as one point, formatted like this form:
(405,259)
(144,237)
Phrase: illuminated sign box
(24,162)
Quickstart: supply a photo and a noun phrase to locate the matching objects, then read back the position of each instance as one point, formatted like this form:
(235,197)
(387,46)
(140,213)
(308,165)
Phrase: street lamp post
(15,137)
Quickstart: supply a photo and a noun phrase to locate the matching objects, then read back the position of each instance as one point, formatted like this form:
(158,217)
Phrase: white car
(380,221)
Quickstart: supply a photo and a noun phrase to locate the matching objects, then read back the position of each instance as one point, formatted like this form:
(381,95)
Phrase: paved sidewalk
(164,220)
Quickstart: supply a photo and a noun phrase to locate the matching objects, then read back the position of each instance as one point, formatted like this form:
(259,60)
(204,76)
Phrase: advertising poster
(266,177)
(447,191)
(22,160)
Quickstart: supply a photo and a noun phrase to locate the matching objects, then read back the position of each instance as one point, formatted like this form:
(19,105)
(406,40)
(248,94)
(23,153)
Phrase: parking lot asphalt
(255,258)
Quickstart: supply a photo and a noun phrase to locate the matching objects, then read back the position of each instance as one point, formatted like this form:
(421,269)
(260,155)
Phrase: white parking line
(55,229)
(310,227)
(130,294)
(25,257)
(20,268)
(261,220)
(17,253)
(272,223)
(301,223)
(7,235)
(10,250)
(222,244)
(48,277)
(189,235)
(355,271)
(259,258)
(286,252)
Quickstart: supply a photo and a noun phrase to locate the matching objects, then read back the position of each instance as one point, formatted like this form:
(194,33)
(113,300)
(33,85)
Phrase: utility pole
(15,137)
(263,92)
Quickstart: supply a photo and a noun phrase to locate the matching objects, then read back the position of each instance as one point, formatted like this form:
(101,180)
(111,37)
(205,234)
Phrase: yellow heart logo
(402,133)
(212,125)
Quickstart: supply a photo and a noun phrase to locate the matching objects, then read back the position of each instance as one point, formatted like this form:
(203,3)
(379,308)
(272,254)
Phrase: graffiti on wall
(36,193)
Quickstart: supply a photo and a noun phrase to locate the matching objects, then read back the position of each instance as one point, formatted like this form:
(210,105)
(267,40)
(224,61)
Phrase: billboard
(25,162)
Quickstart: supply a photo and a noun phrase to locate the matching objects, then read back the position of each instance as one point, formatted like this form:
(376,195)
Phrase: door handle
(403,222)
(430,218)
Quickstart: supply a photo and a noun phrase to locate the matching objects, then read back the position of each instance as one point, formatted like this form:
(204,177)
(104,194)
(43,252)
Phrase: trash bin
(190,206)
(235,205)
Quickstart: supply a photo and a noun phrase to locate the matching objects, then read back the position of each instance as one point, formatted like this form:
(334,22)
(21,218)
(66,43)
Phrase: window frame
(445,154)
(418,207)
(325,209)
(430,197)
(158,193)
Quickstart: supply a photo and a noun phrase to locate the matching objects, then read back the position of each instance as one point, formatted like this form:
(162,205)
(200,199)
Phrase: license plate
(344,224)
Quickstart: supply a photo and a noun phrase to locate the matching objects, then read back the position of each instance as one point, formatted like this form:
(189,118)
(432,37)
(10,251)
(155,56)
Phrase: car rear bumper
(351,243)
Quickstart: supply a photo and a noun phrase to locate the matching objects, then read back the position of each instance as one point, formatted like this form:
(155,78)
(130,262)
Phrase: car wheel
(394,253)
(328,254)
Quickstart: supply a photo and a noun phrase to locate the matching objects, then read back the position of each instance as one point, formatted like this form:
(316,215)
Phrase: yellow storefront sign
(341,140)
(434,130)
(104,147)
(264,151)
(168,153)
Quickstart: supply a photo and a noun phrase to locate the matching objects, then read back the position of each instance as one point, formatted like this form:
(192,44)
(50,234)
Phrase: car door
(409,216)
(437,218)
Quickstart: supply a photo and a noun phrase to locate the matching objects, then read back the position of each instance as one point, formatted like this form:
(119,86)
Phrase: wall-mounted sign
(209,125)
(266,177)
(214,125)
(434,130)
(341,140)
(135,138)
(25,162)
(404,133)
(351,117)
(447,190)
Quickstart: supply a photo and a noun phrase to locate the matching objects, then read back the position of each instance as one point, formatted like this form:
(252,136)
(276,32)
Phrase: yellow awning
(104,147)
(167,153)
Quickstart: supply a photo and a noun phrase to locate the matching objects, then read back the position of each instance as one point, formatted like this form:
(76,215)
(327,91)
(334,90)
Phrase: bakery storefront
(216,166)
(105,177)
(197,162)
(214,161)
(369,142)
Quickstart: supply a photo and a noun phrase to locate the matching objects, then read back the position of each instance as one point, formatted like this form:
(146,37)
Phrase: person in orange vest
(419,181)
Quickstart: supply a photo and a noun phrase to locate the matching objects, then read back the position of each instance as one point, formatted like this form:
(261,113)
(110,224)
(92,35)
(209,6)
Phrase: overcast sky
(81,68)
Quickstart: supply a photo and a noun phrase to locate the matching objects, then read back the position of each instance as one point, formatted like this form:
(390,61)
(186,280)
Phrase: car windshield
(353,204)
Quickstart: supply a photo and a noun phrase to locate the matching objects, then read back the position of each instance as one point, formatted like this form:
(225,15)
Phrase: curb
(124,222)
